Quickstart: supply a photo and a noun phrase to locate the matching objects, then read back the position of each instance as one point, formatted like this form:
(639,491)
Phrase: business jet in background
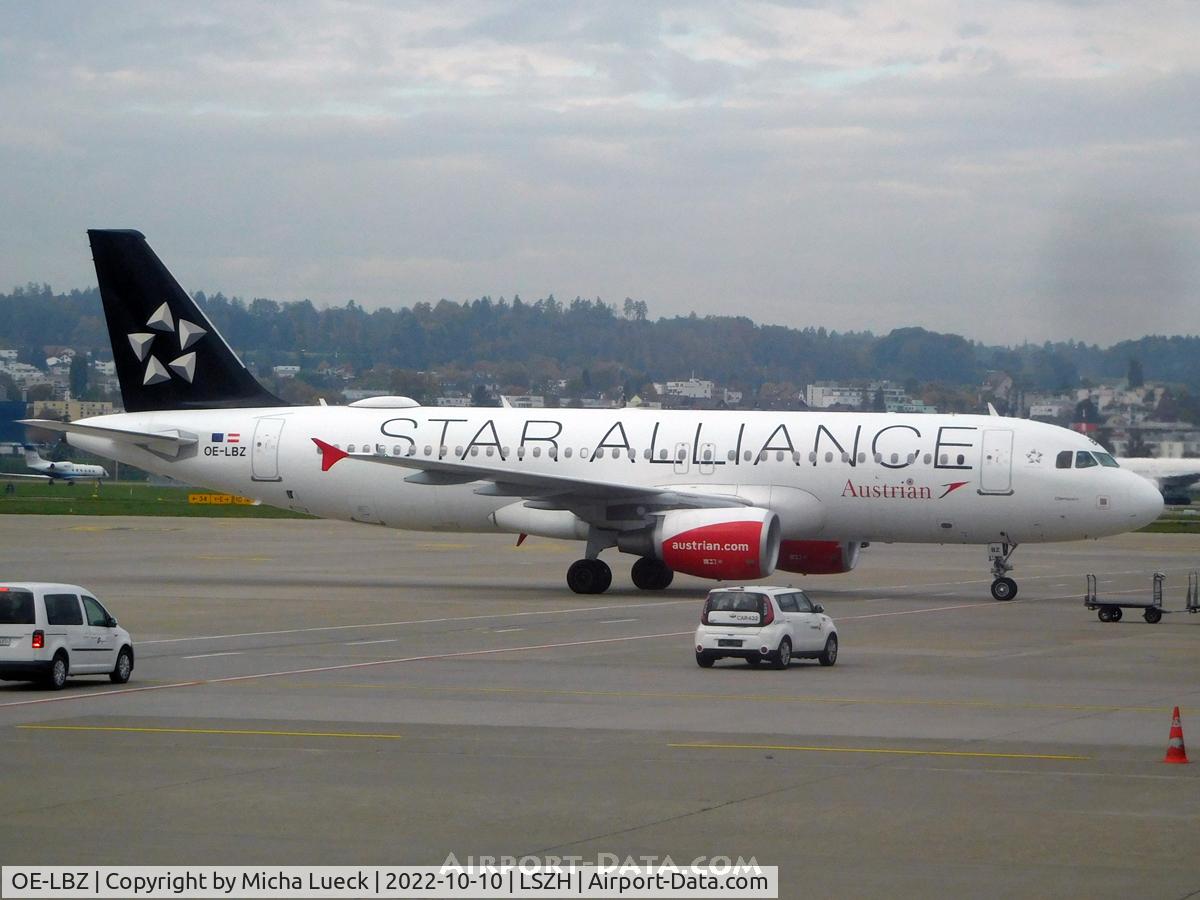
(724,495)
(1172,476)
(51,471)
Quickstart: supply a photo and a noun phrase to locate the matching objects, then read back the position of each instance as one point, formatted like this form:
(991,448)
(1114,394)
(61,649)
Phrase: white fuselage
(829,476)
(66,471)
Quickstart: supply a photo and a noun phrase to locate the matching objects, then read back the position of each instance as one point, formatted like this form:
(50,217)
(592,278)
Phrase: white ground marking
(312,670)
(207,655)
(538,612)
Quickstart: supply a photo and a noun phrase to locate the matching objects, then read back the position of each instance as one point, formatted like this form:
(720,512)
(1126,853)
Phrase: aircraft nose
(1146,503)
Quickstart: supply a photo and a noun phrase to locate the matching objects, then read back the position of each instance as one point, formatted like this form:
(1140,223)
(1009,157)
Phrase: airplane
(1171,475)
(724,495)
(48,470)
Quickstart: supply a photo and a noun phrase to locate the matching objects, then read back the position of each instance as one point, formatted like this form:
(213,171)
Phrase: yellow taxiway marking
(882,750)
(748,698)
(234,731)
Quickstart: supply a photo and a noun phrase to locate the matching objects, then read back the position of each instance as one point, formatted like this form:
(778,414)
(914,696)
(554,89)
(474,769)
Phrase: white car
(51,631)
(759,623)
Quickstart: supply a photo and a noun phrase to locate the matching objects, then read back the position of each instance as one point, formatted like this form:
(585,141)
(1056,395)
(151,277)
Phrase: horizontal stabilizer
(169,441)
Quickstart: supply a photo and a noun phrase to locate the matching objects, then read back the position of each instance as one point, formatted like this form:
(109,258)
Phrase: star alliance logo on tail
(184,365)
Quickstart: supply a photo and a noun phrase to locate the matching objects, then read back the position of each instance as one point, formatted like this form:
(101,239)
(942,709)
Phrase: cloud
(993,171)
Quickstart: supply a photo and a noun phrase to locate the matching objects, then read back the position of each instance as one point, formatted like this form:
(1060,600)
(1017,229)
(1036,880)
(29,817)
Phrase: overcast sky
(1007,171)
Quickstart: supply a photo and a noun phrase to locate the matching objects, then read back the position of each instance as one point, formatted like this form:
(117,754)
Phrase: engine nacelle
(818,557)
(725,544)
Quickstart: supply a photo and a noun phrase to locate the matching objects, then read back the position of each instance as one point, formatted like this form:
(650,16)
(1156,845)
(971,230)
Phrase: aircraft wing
(15,476)
(170,441)
(540,491)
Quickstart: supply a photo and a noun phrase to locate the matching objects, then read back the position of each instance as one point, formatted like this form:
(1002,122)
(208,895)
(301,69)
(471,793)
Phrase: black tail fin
(168,354)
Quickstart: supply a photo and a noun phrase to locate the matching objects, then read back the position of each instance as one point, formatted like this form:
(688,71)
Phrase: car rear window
(734,608)
(16,608)
(63,609)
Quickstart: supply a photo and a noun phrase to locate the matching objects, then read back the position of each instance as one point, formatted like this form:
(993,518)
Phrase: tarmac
(311,692)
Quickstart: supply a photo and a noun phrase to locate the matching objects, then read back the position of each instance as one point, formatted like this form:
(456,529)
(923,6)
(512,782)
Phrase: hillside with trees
(526,345)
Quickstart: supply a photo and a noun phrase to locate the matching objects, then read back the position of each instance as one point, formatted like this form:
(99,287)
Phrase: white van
(51,631)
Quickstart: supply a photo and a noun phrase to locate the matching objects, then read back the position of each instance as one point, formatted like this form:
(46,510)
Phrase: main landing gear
(651,574)
(589,576)
(593,576)
(1003,587)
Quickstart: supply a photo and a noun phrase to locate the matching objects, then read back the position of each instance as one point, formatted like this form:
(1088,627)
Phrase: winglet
(329,454)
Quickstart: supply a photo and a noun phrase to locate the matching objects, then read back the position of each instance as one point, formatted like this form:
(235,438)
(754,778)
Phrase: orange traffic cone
(1175,749)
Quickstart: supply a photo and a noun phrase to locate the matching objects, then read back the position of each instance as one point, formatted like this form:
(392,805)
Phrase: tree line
(530,341)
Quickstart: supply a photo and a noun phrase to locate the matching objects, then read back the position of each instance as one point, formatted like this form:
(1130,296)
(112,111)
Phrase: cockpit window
(1063,460)
(1084,460)
(1107,460)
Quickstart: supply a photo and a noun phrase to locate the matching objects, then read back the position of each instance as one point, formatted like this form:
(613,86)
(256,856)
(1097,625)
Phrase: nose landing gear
(999,554)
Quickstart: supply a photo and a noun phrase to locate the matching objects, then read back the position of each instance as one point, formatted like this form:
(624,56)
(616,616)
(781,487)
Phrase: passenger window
(1063,460)
(1084,460)
(787,603)
(349,448)
(63,609)
(95,612)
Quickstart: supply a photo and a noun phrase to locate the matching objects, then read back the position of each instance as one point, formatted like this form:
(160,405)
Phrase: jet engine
(818,557)
(725,544)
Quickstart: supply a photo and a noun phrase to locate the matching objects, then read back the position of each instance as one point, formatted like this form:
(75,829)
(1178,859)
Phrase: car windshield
(16,608)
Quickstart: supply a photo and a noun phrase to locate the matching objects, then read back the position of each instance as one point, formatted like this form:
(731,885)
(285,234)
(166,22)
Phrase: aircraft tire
(589,576)
(1004,589)
(651,574)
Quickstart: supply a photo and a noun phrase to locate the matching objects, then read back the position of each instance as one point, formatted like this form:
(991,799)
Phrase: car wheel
(124,667)
(57,677)
(783,656)
(829,655)
(1153,615)
(753,661)
(705,660)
